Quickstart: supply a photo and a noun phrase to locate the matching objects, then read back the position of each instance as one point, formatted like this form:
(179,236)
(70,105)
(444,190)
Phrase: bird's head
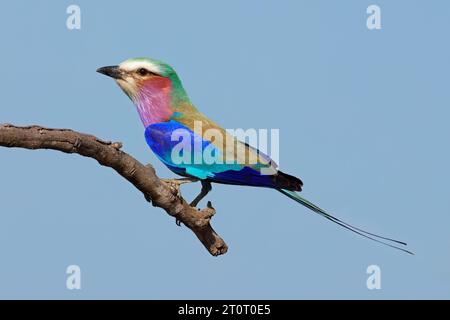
(152,85)
(135,75)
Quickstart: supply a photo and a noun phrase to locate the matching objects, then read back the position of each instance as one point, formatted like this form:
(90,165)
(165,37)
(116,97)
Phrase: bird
(167,114)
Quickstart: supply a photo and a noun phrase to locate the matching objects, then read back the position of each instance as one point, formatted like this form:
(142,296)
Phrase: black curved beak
(111,71)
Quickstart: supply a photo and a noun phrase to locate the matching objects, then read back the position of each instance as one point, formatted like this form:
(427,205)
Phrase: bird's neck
(158,99)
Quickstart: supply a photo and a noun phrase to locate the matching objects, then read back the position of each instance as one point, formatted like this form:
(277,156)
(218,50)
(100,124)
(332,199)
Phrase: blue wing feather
(161,139)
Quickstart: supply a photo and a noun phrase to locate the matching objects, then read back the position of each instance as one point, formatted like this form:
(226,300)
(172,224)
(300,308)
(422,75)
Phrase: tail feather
(287,182)
(295,196)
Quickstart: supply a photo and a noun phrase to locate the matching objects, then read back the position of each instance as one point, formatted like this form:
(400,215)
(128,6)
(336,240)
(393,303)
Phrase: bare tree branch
(162,193)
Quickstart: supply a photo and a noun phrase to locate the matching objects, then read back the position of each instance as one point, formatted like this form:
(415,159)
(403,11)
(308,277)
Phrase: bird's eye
(143,71)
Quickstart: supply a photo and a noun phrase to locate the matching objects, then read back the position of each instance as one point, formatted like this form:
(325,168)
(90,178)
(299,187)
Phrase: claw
(178,222)
(176,183)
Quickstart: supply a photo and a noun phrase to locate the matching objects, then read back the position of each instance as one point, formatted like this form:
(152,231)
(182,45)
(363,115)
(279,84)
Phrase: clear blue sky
(363,118)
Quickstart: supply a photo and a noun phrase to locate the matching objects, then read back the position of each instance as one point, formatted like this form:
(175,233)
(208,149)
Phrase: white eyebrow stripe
(134,65)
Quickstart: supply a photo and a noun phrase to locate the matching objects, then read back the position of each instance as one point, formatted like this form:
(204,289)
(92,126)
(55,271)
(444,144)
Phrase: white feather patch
(131,65)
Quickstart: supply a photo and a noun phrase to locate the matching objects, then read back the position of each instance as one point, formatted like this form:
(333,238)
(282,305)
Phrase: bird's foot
(210,206)
(178,222)
(176,183)
(180,181)
(206,188)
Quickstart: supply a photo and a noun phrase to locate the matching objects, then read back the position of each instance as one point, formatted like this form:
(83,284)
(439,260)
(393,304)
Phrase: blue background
(363,118)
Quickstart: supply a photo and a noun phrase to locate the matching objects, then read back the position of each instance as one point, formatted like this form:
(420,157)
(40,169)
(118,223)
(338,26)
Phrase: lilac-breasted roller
(169,117)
